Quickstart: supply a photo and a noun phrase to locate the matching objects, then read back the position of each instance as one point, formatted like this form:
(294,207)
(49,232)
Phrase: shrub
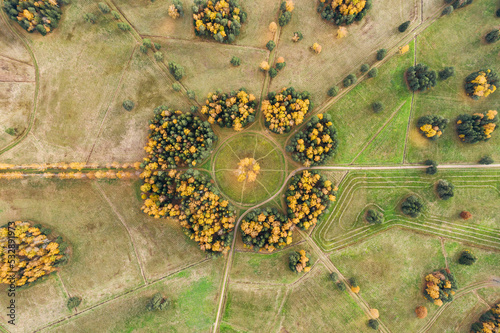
(280,65)
(307,204)
(498,12)
(235,109)
(373,216)
(115,15)
(104,7)
(350,80)
(404,26)
(157,302)
(373,323)
(73,302)
(147,43)
(467,258)
(477,127)
(432,126)
(270,45)
(227,15)
(273,72)
(266,229)
(381,54)
(420,77)
(421,312)
(488,322)
(235,61)
(481,83)
(316,48)
(333,276)
(273,27)
(341,286)
(492,36)
(299,261)
(364,68)
(90,18)
(412,206)
(11,131)
(42,17)
(447,10)
(264,66)
(125,27)
(143,49)
(285,15)
(297,36)
(444,189)
(377,107)
(432,167)
(158,56)
(343,11)
(486,160)
(128,105)
(333,91)
(27,265)
(373,72)
(315,143)
(440,287)
(191,94)
(157,46)
(465,215)
(296,104)
(176,70)
(176,86)
(446,73)
(176,10)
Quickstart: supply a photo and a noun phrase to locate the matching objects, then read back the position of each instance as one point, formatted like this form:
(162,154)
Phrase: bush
(477,127)
(270,45)
(333,91)
(440,287)
(143,49)
(465,215)
(345,12)
(492,36)
(42,16)
(432,167)
(444,189)
(364,68)
(231,22)
(420,77)
(486,160)
(377,107)
(373,72)
(104,7)
(467,258)
(412,206)
(404,26)
(315,143)
(498,12)
(333,276)
(90,18)
(11,131)
(341,286)
(157,46)
(176,10)
(125,27)
(191,94)
(266,229)
(280,65)
(373,216)
(432,127)
(115,15)
(147,43)
(157,302)
(297,36)
(273,72)
(381,54)
(481,83)
(235,109)
(176,70)
(350,80)
(447,11)
(373,323)
(235,61)
(421,312)
(73,302)
(299,261)
(128,105)
(158,56)
(296,104)
(446,73)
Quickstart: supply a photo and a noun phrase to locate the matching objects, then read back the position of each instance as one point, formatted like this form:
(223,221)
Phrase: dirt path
(444,251)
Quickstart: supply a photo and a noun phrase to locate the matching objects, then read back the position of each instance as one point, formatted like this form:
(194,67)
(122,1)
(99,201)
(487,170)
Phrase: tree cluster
(218,19)
(248,169)
(481,84)
(343,11)
(432,126)
(307,198)
(412,206)
(444,189)
(446,73)
(157,302)
(235,109)
(476,127)
(488,322)
(266,229)
(374,216)
(420,77)
(176,70)
(315,143)
(190,197)
(285,109)
(299,261)
(467,258)
(176,10)
(36,254)
(42,15)
(432,167)
(440,287)
(177,139)
(286,9)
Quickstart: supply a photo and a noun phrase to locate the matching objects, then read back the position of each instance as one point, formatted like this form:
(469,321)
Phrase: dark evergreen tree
(404,26)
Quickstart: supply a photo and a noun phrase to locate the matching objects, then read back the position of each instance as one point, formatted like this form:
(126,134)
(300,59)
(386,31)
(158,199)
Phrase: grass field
(441,46)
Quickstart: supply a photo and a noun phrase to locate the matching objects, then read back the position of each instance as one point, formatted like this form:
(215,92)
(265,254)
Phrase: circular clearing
(261,161)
